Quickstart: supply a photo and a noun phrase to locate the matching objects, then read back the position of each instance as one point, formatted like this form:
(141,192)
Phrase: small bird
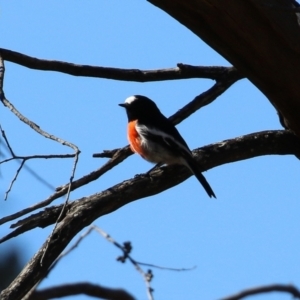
(155,138)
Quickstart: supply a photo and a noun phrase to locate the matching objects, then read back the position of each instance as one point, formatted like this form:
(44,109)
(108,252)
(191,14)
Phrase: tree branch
(118,155)
(245,147)
(23,159)
(84,211)
(260,38)
(290,289)
(126,249)
(182,71)
(85,288)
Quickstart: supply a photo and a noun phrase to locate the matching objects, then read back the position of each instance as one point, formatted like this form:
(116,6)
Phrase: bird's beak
(122,104)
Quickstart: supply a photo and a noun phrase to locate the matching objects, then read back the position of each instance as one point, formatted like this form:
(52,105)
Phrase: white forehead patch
(130,99)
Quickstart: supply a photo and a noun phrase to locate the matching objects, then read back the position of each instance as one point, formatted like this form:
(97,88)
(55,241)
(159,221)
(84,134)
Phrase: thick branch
(84,211)
(88,289)
(289,289)
(182,71)
(245,147)
(229,77)
(260,38)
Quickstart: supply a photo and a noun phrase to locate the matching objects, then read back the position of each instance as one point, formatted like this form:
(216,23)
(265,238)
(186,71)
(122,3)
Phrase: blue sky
(249,236)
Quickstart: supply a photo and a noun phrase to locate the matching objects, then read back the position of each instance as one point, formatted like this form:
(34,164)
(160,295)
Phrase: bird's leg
(156,166)
(147,174)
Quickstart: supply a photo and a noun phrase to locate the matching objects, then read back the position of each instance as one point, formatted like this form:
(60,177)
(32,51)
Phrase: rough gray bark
(260,38)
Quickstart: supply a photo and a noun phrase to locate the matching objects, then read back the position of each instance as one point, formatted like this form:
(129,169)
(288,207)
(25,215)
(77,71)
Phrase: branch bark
(182,71)
(260,38)
(88,289)
(84,211)
(289,289)
(229,76)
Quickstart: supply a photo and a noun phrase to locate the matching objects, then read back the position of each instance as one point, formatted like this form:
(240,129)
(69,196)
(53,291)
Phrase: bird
(156,139)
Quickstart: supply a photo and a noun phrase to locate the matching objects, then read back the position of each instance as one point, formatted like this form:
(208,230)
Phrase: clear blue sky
(249,236)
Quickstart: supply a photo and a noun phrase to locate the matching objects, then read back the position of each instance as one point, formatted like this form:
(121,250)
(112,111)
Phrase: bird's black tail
(201,178)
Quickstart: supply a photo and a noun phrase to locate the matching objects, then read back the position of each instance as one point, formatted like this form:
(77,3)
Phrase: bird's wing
(170,138)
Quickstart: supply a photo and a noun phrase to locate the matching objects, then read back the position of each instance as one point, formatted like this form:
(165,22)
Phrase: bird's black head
(140,107)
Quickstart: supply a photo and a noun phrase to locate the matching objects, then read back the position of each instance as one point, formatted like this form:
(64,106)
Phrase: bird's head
(138,107)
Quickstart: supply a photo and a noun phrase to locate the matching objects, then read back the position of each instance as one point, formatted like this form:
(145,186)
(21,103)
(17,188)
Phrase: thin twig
(228,77)
(125,252)
(7,142)
(14,179)
(227,80)
(126,248)
(24,159)
(38,156)
(166,268)
(64,206)
(121,154)
(76,244)
(2,71)
(37,128)
(63,254)
(32,172)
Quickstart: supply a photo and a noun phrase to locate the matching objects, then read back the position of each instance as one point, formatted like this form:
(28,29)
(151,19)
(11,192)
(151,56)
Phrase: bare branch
(281,142)
(38,156)
(88,289)
(34,127)
(46,135)
(64,206)
(24,159)
(126,249)
(126,255)
(84,211)
(229,77)
(290,289)
(76,244)
(33,173)
(106,153)
(2,71)
(182,71)
(37,128)
(118,155)
(14,179)
(7,142)
(166,268)
(121,154)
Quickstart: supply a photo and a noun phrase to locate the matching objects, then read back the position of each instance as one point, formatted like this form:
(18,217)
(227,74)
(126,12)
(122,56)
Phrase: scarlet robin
(155,138)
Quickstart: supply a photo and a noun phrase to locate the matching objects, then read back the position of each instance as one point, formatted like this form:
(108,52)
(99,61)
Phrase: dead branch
(277,142)
(229,77)
(290,289)
(93,290)
(36,128)
(84,211)
(32,172)
(126,249)
(23,159)
(182,71)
